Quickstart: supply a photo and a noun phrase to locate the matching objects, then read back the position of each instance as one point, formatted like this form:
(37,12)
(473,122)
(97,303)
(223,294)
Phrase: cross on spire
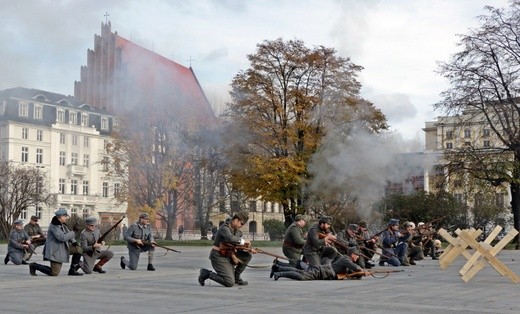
(190,59)
(106,17)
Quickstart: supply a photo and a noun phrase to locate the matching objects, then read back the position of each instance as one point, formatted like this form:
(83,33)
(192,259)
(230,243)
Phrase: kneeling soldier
(19,242)
(91,248)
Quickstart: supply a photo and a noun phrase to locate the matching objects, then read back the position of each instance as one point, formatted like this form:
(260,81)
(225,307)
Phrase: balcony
(75,170)
(76,199)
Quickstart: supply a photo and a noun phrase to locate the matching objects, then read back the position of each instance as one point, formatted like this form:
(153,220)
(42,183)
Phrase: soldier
(314,245)
(294,241)
(91,249)
(34,230)
(335,266)
(19,243)
(348,238)
(428,235)
(60,244)
(222,260)
(393,246)
(367,243)
(139,239)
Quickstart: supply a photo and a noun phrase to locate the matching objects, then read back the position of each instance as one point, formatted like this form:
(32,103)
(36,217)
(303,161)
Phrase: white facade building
(65,139)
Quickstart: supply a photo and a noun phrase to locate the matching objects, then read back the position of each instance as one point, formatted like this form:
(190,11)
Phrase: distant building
(65,138)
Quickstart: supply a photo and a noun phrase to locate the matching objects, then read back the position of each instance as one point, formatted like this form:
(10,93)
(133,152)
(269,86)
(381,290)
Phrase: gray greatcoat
(15,246)
(57,245)
(314,245)
(133,233)
(90,255)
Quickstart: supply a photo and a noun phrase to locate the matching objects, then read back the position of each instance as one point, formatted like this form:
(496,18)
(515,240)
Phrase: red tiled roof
(165,80)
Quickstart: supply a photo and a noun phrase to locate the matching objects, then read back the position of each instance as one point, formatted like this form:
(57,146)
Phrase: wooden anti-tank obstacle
(484,252)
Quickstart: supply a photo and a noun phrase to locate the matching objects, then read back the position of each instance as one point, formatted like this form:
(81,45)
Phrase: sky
(397,42)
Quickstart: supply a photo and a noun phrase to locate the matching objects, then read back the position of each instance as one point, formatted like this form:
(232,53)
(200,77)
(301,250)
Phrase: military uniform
(135,232)
(394,246)
(60,244)
(314,245)
(226,273)
(15,249)
(90,254)
(349,241)
(34,229)
(293,243)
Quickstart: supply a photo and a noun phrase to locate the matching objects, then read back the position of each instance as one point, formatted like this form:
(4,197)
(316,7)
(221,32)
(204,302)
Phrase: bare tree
(21,187)
(485,85)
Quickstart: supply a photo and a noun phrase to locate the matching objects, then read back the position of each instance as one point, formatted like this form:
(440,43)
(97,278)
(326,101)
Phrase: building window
(117,189)
(63,138)
(85,213)
(252,206)
(86,160)
(39,155)
(74,187)
(104,123)
(105,163)
(38,112)
(74,212)
(74,159)
(85,187)
(73,117)
(449,145)
(74,140)
(467,133)
(25,154)
(449,135)
(486,132)
(60,115)
(61,186)
(23,109)
(38,212)
(63,157)
(23,214)
(86,141)
(25,133)
(39,135)
(105,189)
(84,119)
(486,144)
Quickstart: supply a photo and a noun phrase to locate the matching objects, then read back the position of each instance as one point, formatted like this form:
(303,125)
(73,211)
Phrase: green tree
(484,83)
(281,108)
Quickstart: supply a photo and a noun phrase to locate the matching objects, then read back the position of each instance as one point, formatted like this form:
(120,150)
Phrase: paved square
(173,288)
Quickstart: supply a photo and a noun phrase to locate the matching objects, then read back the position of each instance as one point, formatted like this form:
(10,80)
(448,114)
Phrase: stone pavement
(173,288)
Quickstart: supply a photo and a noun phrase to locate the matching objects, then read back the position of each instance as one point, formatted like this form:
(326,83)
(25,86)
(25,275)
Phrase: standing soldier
(19,243)
(139,239)
(91,249)
(34,230)
(60,244)
(222,260)
(318,237)
(294,241)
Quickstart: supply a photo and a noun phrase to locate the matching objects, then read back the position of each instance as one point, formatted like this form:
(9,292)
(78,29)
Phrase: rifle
(357,274)
(163,247)
(29,249)
(228,249)
(104,235)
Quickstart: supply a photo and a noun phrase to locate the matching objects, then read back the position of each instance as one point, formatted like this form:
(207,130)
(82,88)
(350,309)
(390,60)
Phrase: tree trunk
(515,208)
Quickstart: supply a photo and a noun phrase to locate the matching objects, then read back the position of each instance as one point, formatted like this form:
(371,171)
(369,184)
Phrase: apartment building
(66,140)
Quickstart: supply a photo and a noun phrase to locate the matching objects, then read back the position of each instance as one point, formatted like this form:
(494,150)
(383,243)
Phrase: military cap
(18,222)
(352,227)
(91,221)
(362,223)
(299,217)
(353,250)
(34,218)
(393,222)
(61,212)
(325,219)
(242,215)
(144,216)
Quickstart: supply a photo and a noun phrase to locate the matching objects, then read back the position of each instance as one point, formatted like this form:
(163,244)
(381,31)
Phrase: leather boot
(274,269)
(279,263)
(75,265)
(203,275)
(6,259)
(288,274)
(239,281)
(150,267)
(33,267)
(99,266)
